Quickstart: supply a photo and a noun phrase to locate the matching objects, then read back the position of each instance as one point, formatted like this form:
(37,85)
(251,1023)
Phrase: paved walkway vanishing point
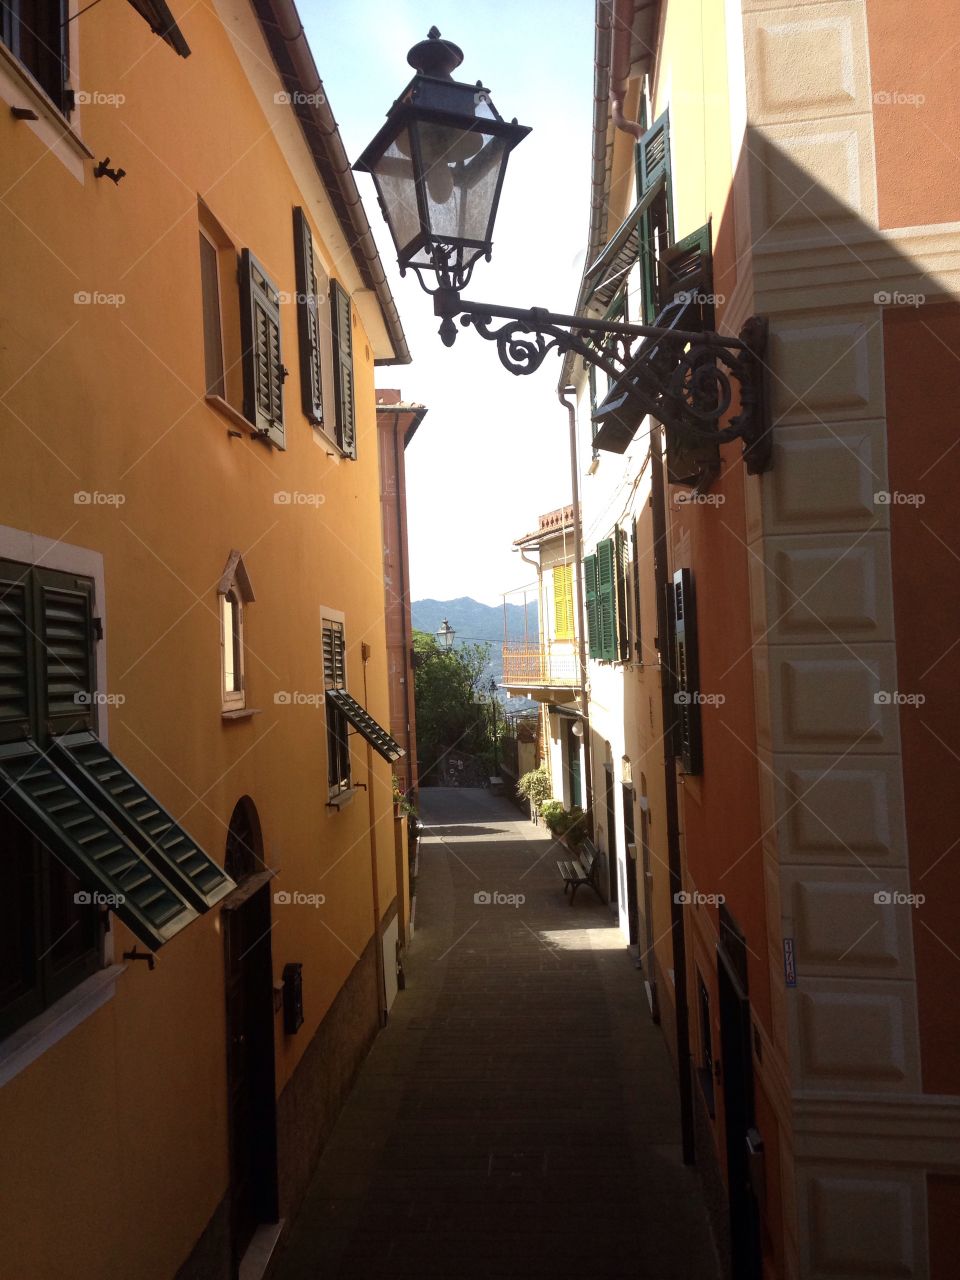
(518,1115)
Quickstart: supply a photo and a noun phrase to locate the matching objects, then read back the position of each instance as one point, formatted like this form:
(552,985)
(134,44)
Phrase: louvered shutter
(686,671)
(592,605)
(623,619)
(64,608)
(89,844)
(563,601)
(653,153)
(686,269)
(334,663)
(18,676)
(263,370)
(606,600)
(636,594)
(142,819)
(342,325)
(308,319)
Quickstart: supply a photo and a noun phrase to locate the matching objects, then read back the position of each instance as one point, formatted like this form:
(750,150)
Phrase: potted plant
(534,787)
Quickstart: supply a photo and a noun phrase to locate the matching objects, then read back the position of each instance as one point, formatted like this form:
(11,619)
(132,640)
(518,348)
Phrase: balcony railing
(541,665)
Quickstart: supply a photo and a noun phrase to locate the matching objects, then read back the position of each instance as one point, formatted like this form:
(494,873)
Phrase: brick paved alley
(518,1116)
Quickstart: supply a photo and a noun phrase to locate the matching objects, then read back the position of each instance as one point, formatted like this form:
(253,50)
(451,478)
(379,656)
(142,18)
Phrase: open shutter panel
(88,843)
(365,724)
(64,623)
(606,600)
(342,323)
(685,271)
(623,620)
(562,602)
(653,153)
(591,602)
(308,319)
(17,653)
(687,671)
(263,370)
(142,819)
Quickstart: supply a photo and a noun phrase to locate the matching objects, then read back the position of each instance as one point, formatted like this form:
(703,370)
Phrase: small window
(335,677)
(35,32)
(212,323)
(235,593)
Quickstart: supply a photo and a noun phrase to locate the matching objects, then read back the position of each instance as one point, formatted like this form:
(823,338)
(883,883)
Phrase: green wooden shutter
(308,319)
(653,153)
(18,675)
(88,843)
(606,600)
(686,671)
(263,371)
(686,269)
(342,324)
(653,169)
(636,595)
(591,602)
(63,611)
(623,620)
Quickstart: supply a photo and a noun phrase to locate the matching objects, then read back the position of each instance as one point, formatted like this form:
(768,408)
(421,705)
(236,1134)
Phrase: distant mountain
(476,623)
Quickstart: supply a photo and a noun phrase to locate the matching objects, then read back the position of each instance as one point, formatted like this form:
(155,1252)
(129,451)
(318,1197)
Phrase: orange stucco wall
(120,1129)
(914,69)
(922,448)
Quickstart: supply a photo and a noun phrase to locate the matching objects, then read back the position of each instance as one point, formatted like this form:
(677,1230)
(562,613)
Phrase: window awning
(79,801)
(365,724)
(163,24)
(610,268)
(143,819)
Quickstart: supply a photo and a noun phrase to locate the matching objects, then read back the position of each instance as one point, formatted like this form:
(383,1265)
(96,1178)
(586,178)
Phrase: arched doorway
(251,1082)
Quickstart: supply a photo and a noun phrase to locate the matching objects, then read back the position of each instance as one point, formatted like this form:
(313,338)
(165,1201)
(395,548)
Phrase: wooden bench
(583,869)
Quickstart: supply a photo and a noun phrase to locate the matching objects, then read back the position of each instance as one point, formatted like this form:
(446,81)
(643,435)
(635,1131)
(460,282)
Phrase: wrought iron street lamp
(438,164)
(445,635)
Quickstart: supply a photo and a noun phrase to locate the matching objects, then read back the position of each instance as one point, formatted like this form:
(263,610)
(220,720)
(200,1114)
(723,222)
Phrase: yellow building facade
(191,590)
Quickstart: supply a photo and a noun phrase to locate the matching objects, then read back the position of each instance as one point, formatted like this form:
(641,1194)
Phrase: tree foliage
(447,688)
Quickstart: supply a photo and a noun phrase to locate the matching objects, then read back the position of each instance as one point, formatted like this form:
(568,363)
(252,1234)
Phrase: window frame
(234,583)
(221,388)
(11,23)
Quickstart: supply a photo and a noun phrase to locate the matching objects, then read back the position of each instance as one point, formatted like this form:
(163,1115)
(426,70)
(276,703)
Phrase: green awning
(365,724)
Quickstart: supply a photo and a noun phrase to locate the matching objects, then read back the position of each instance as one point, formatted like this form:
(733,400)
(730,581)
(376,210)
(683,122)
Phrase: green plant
(564,822)
(535,787)
(402,806)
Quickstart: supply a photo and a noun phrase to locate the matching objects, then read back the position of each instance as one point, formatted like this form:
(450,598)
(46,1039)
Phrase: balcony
(547,673)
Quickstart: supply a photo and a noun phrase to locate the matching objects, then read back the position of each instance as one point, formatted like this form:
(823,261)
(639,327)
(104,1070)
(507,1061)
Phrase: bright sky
(491,454)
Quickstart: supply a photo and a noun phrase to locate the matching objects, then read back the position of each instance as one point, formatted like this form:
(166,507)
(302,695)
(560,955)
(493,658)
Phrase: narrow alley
(518,1115)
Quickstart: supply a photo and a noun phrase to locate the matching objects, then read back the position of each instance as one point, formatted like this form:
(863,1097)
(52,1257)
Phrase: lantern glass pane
(394,177)
(462,175)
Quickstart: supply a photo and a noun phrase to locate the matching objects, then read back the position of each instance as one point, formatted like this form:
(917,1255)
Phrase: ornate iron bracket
(682,377)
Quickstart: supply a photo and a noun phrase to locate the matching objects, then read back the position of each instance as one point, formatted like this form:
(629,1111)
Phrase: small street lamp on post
(445,635)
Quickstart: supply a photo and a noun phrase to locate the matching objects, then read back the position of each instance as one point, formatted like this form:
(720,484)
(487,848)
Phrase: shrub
(535,787)
(564,822)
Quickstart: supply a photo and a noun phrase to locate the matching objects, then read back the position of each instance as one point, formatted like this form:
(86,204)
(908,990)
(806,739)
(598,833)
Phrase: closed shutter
(686,671)
(623,619)
(64,613)
(342,325)
(592,605)
(653,153)
(17,672)
(263,370)
(563,601)
(606,600)
(638,650)
(334,663)
(308,319)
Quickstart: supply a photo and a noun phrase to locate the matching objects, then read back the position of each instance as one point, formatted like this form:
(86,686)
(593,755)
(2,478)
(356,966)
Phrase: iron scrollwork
(682,377)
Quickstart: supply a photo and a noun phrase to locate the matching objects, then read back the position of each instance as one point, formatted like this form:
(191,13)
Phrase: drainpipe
(569,404)
(375,877)
(668,712)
